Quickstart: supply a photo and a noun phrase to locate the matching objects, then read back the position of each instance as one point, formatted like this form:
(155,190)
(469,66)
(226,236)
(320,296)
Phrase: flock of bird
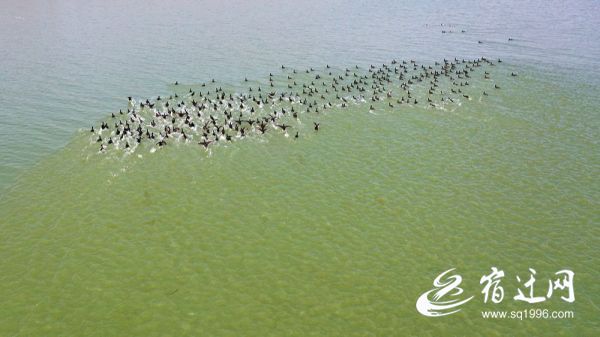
(207,115)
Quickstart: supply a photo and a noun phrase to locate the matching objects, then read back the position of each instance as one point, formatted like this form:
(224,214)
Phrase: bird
(218,114)
(283,126)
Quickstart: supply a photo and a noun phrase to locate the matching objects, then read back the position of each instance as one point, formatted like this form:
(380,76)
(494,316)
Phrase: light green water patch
(334,234)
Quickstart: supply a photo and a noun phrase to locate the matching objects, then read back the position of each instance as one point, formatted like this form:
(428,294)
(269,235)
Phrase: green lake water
(336,233)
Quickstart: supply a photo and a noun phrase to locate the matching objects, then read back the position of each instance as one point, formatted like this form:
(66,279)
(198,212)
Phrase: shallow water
(335,234)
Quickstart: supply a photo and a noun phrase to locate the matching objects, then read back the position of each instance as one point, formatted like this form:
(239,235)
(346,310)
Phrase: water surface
(335,234)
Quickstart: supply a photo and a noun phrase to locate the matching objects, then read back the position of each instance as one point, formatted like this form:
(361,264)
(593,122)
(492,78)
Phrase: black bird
(205,143)
(217,116)
(283,126)
(262,128)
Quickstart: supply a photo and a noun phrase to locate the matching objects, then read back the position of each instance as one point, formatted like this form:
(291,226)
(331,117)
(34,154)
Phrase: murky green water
(334,234)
